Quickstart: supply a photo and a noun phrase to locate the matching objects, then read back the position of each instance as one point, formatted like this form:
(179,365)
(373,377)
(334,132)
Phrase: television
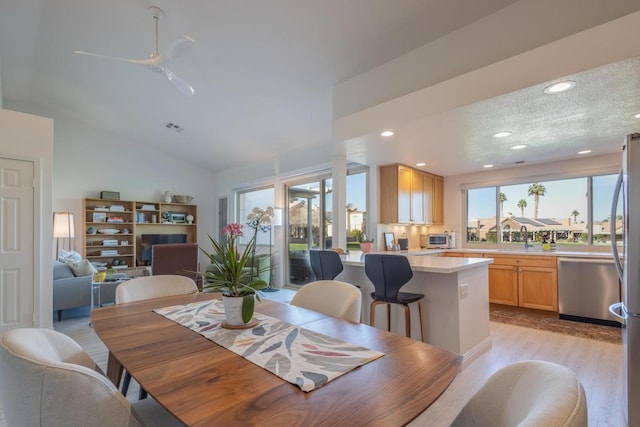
(148,240)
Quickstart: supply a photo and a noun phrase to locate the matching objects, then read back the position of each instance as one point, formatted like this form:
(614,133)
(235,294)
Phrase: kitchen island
(456,301)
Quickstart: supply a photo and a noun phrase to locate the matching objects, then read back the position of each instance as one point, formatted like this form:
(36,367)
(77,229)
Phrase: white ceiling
(263,71)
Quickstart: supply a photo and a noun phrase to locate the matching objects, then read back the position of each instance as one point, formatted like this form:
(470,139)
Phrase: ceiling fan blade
(179,47)
(150,61)
(180,84)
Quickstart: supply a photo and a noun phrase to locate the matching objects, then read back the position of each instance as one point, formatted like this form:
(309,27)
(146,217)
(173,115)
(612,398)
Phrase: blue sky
(561,199)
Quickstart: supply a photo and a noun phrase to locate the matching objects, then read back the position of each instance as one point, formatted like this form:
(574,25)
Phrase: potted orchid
(232,273)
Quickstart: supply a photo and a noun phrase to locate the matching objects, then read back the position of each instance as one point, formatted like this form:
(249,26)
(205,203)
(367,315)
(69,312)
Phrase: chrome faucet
(526,236)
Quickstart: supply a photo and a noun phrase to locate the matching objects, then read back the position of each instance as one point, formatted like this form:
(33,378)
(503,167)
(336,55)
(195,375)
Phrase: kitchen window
(571,212)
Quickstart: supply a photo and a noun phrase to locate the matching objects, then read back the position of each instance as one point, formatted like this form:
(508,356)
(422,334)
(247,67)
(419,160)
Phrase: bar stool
(389,273)
(326,264)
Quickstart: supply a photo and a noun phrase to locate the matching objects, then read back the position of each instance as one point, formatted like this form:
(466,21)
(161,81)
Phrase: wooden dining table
(204,384)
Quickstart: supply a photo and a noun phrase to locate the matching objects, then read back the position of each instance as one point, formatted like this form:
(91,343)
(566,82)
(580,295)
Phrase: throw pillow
(82,268)
(71,256)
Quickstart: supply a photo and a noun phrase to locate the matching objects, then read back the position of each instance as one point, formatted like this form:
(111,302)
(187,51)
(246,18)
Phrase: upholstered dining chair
(326,264)
(528,393)
(332,297)
(175,258)
(389,273)
(147,287)
(49,380)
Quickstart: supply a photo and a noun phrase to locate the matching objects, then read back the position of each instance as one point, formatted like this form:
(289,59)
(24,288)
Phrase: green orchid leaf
(248,305)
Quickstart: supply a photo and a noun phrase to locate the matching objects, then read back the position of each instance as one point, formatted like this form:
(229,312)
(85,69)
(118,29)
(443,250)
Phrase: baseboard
(477,351)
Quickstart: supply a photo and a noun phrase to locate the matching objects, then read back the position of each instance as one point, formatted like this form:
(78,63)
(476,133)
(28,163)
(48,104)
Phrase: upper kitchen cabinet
(407,196)
(433,198)
(401,195)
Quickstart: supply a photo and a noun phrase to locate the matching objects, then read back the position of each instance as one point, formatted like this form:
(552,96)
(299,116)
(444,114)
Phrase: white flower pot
(233,311)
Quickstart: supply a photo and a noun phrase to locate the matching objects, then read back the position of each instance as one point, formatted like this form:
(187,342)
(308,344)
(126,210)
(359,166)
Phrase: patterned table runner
(297,355)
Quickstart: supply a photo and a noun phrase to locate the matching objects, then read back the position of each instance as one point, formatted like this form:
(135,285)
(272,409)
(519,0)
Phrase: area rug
(548,321)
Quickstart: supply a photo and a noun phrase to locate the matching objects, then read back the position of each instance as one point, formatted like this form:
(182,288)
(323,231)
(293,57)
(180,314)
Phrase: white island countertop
(419,261)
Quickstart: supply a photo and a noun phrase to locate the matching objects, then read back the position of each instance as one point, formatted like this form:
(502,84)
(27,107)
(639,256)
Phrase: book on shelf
(110,252)
(110,242)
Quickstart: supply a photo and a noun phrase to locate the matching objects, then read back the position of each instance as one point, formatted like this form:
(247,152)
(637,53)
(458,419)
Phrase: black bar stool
(326,264)
(389,273)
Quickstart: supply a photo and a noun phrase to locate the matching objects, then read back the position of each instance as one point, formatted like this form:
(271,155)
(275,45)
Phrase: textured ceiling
(596,115)
(264,72)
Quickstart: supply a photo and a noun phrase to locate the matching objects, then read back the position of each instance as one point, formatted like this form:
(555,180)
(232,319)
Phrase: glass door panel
(304,218)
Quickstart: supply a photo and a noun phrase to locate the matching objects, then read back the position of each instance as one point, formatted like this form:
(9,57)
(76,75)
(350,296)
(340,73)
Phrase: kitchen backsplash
(412,232)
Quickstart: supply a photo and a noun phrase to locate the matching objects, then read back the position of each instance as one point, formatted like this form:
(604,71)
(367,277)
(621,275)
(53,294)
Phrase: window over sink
(572,212)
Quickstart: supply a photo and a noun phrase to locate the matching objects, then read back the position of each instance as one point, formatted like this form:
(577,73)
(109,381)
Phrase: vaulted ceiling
(264,72)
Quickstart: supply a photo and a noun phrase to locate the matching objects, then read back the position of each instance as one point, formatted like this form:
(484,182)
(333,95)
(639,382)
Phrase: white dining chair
(147,287)
(332,297)
(49,380)
(529,393)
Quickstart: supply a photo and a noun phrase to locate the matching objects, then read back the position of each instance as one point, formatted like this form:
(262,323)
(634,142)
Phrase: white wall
(30,138)
(87,160)
(582,166)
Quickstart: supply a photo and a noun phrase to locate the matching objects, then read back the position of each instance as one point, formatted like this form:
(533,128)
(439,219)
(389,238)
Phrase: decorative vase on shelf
(167,197)
(238,311)
(189,219)
(366,247)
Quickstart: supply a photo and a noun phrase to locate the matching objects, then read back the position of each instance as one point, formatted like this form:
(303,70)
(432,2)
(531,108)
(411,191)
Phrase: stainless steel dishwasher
(586,289)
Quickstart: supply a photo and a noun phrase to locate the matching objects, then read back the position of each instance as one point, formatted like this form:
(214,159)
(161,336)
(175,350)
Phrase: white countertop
(534,251)
(419,262)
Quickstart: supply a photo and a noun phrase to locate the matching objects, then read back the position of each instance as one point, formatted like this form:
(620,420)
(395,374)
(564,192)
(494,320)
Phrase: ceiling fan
(158,61)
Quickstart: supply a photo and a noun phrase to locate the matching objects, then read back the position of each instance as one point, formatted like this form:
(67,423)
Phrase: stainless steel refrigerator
(628,266)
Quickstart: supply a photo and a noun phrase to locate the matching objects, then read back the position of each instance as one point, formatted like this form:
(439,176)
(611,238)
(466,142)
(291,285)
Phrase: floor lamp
(63,228)
(276,220)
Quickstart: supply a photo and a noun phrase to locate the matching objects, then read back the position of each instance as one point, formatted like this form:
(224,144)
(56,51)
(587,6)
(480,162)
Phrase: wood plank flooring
(596,364)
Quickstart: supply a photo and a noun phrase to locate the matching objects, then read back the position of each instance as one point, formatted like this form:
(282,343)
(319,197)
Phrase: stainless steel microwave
(440,240)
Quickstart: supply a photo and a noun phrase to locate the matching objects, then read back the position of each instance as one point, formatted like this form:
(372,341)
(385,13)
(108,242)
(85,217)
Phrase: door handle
(613,310)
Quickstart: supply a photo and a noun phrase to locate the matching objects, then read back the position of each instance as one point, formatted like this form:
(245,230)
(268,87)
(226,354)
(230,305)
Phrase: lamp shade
(63,225)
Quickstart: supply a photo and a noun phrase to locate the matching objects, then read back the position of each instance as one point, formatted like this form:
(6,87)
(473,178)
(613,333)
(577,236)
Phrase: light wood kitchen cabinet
(410,196)
(524,281)
(401,195)
(433,198)
(437,208)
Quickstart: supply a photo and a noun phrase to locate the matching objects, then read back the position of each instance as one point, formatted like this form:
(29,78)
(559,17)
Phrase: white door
(16,244)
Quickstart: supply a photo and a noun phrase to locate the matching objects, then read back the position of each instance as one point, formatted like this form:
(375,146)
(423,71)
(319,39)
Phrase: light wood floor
(595,363)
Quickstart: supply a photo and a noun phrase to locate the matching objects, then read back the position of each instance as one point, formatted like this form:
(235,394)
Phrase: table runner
(300,356)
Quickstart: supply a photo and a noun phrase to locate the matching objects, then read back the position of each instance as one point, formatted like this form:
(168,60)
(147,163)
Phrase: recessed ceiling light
(386,133)
(518,147)
(637,116)
(421,164)
(584,152)
(502,134)
(487,166)
(560,87)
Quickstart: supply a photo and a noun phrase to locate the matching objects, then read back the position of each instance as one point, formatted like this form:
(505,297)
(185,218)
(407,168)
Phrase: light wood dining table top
(204,384)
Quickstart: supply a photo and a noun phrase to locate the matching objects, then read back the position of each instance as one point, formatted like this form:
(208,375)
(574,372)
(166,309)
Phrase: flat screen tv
(148,240)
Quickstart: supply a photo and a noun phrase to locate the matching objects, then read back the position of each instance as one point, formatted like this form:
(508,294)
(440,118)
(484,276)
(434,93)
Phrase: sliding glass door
(309,225)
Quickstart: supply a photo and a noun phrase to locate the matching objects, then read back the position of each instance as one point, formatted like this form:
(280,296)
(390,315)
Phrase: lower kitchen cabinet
(538,288)
(524,281)
(503,284)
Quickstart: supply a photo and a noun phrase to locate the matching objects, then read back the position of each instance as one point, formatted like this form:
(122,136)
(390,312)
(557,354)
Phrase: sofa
(70,291)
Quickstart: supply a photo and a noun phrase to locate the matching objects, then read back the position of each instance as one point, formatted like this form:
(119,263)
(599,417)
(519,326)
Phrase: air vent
(173,126)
